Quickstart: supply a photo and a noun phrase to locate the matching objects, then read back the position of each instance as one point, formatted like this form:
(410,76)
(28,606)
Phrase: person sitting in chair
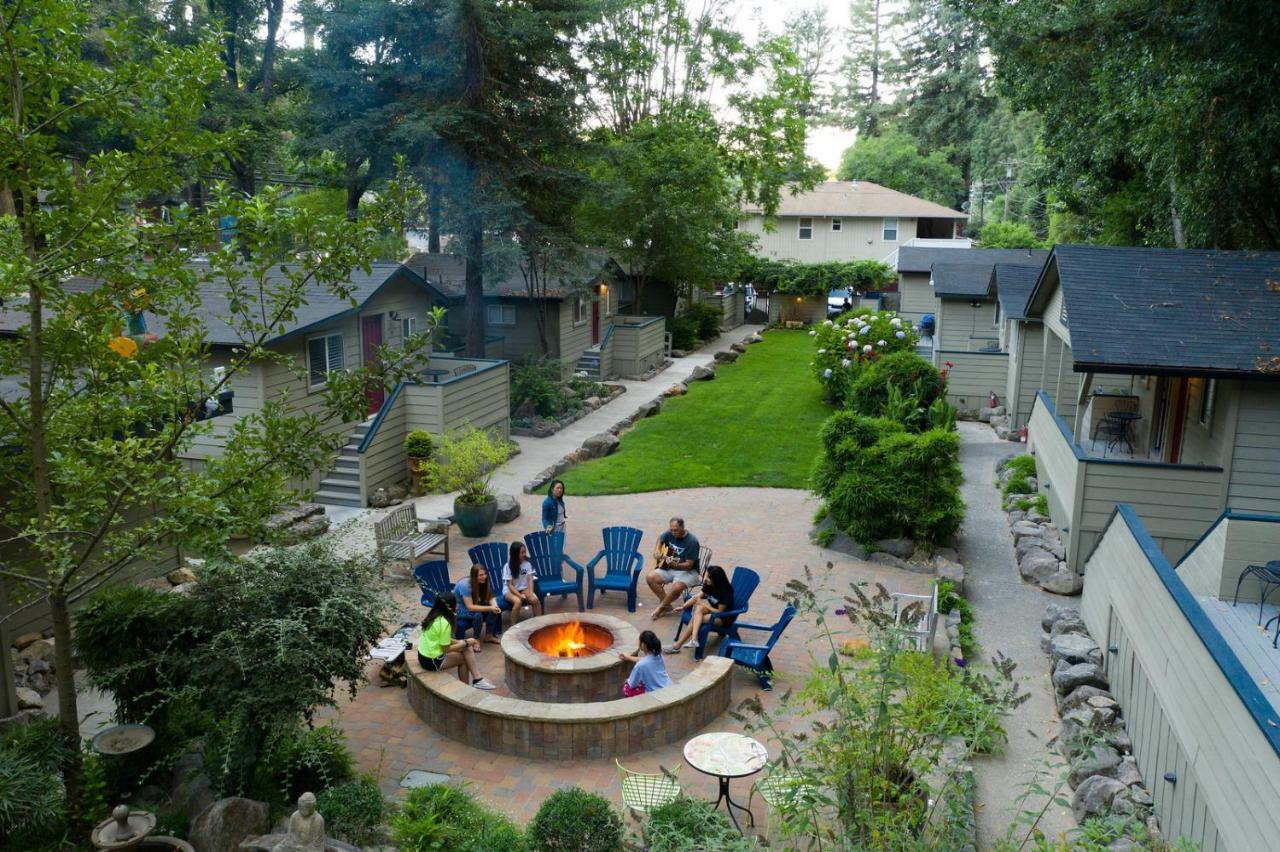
(716,595)
(676,570)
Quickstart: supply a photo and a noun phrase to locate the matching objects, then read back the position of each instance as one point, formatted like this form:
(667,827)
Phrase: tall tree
(812,38)
(860,100)
(894,159)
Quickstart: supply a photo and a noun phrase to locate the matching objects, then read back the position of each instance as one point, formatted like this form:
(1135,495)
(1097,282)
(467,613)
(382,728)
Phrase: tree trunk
(68,710)
(473,306)
(1179,238)
(873,101)
(434,191)
(275,13)
(355,192)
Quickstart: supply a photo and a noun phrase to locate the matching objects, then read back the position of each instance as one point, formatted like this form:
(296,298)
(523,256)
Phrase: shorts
(431,664)
(629,691)
(689,578)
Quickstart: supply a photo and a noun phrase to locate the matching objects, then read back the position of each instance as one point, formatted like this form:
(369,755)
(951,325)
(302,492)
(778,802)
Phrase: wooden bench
(401,536)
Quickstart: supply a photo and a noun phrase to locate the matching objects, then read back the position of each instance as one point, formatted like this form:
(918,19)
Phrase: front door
(595,323)
(1177,421)
(370,340)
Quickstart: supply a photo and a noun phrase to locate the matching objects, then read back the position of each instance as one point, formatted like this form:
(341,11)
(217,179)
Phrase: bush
(574,820)
(693,825)
(943,700)
(446,817)
(418,444)
(949,599)
(466,462)
(904,374)
(537,381)
(842,352)
(1021,469)
(684,333)
(353,811)
(32,798)
(881,482)
(306,760)
(706,319)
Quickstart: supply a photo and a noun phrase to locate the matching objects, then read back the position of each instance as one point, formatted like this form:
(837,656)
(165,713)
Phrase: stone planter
(475,520)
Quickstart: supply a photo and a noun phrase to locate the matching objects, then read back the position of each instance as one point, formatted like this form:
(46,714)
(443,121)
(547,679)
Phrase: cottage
(1159,388)
(915,264)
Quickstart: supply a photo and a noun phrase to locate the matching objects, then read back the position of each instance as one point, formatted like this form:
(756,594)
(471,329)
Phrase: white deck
(1239,627)
(1099,450)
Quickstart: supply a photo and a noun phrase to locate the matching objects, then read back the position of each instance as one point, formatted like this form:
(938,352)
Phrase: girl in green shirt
(438,650)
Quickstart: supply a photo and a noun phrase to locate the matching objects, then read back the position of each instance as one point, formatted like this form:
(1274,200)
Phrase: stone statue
(306,828)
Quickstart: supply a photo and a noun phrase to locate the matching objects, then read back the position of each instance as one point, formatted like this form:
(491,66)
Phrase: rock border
(1038,548)
(539,429)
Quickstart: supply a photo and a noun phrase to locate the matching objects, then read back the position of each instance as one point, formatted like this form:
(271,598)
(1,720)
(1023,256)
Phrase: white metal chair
(642,792)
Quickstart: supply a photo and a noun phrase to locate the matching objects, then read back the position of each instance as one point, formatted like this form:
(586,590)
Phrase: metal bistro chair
(643,792)
(546,552)
(756,657)
(1268,576)
(744,582)
(623,563)
(784,788)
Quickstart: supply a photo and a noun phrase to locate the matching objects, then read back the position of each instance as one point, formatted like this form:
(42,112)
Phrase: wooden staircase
(341,485)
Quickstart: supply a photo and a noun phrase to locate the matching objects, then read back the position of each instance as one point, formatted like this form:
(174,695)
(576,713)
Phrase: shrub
(446,817)
(466,462)
(1041,504)
(300,761)
(881,482)
(418,444)
(706,319)
(693,825)
(353,811)
(949,599)
(842,352)
(574,820)
(1021,469)
(537,381)
(32,798)
(684,333)
(905,374)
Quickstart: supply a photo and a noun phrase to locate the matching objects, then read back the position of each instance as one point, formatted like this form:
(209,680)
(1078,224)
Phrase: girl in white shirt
(518,584)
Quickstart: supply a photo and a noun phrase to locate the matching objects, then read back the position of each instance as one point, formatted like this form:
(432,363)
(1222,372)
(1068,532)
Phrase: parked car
(838,301)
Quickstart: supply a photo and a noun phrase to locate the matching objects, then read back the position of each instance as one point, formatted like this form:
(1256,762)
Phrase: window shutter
(316,360)
(334,342)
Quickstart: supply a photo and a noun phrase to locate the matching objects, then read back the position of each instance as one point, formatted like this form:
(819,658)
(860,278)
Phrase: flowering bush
(847,344)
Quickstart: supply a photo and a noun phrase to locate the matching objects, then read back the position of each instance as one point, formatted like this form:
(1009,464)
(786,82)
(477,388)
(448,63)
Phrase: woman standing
(716,595)
(438,650)
(518,582)
(553,513)
(477,599)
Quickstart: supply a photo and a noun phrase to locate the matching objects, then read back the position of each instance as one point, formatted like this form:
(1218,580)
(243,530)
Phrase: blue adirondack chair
(546,552)
(432,577)
(756,657)
(744,582)
(622,565)
(492,555)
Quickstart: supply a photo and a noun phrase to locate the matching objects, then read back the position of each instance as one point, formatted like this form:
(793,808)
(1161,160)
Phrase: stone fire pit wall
(558,731)
(533,675)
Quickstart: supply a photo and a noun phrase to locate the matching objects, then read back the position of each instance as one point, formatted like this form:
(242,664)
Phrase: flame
(565,640)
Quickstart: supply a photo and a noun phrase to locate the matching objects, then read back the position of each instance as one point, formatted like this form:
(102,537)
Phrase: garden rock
(29,699)
(601,445)
(738,347)
(178,576)
(678,389)
(1078,698)
(226,822)
(727,356)
(26,639)
(1037,566)
(183,589)
(540,427)
(702,374)
(1053,612)
(755,338)
(592,402)
(1067,677)
(1098,796)
(1027,544)
(1025,528)
(43,649)
(1016,515)
(1099,760)
(899,547)
(380,499)
(1069,624)
(1035,517)
(1075,648)
(882,558)
(156,584)
(310,528)
(1127,773)
(952,572)
(525,410)
(1064,581)
(397,491)
(191,790)
(508,509)
(678,353)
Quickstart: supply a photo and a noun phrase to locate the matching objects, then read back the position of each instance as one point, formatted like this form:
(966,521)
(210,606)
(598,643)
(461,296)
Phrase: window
(736,224)
(806,229)
(408,328)
(324,356)
(995,321)
(836,224)
(579,310)
(1206,402)
(889,231)
(500,314)
(1062,313)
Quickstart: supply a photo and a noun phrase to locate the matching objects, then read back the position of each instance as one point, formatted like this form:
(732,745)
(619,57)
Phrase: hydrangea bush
(853,340)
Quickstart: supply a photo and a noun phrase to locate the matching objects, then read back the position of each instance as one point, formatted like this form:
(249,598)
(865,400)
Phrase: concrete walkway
(1007,613)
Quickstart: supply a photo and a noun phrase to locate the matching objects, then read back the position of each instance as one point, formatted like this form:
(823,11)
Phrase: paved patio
(765,529)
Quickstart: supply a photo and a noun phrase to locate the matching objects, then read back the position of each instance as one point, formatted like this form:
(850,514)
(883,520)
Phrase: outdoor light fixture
(975,304)
(395,316)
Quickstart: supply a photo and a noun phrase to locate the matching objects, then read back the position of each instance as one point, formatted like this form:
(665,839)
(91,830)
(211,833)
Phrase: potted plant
(417,446)
(465,461)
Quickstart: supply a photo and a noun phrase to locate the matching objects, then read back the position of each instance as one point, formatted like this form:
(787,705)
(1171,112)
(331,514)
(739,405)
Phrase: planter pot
(475,520)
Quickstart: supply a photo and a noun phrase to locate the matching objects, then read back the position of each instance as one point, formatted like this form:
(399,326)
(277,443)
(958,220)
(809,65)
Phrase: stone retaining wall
(594,730)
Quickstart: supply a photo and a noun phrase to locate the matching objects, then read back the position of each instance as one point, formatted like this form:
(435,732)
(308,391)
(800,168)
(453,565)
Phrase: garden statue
(306,828)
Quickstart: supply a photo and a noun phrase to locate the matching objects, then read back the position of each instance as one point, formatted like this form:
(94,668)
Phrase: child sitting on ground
(650,671)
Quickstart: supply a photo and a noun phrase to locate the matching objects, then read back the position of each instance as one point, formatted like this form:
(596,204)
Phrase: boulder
(380,499)
(540,427)
(29,699)
(1044,642)
(1002,430)
(43,649)
(1075,648)
(678,389)
(222,825)
(882,558)
(1035,517)
(1027,544)
(1127,773)
(726,357)
(398,492)
(1099,795)
(1037,566)
(678,353)
(702,374)
(1099,760)
(310,528)
(1025,528)
(1078,698)
(26,639)
(1067,677)
(1015,515)
(755,338)
(593,402)
(1064,581)
(183,589)
(738,347)
(899,547)
(601,445)
(952,572)
(178,576)
(1068,624)
(525,410)
(1054,612)
(508,508)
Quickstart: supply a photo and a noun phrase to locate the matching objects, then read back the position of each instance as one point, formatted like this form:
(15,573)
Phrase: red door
(1178,413)
(595,323)
(371,339)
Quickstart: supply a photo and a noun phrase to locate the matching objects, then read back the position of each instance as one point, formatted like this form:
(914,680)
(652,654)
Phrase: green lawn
(756,423)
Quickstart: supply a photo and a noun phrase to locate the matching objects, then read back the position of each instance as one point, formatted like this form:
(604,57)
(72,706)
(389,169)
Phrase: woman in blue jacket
(553,513)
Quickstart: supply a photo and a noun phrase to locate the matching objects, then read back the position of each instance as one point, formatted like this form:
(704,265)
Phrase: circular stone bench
(593,730)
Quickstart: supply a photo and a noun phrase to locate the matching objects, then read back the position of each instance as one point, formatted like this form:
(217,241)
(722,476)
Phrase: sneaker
(672,649)
(484,683)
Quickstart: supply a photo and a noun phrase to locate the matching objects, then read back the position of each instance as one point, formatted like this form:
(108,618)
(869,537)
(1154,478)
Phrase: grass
(756,423)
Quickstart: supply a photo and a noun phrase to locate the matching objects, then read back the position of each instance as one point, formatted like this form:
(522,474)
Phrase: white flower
(846,363)
(900,335)
(867,348)
(864,329)
(826,374)
(828,322)
(879,343)
(813,334)
(822,352)
(895,322)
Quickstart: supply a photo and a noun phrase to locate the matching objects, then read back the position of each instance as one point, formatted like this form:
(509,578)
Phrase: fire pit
(568,657)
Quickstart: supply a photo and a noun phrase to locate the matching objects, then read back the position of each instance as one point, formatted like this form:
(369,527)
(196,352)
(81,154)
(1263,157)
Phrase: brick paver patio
(764,529)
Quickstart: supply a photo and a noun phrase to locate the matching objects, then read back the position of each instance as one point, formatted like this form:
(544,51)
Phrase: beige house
(1021,337)
(915,264)
(847,220)
(1180,344)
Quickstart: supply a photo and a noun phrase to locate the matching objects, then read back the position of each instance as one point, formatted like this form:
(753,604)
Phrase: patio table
(727,756)
(1124,430)
(434,373)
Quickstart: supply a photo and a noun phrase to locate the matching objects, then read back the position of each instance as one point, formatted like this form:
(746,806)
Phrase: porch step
(589,363)
(346,475)
(341,485)
(335,498)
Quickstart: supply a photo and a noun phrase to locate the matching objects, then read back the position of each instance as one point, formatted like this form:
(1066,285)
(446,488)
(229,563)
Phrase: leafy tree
(894,160)
(866,67)
(812,38)
(95,433)
(1003,233)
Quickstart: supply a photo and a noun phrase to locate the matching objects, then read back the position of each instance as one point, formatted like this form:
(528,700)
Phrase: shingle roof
(1168,310)
(447,273)
(961,281)
(214,305)
(922,258)
(1014,283)
(857,198)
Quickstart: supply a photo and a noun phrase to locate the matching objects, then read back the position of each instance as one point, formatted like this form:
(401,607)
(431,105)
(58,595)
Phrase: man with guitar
(675,566)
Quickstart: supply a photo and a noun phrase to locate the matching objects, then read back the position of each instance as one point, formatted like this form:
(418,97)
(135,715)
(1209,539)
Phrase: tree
(1005,234)
(894,160)
(93,471)
(811,39)
(866,66)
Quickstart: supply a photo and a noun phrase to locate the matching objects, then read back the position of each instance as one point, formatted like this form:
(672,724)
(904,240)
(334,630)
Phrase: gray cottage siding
(1255,465)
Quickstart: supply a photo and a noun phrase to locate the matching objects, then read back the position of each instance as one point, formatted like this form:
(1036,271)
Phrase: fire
(565,640)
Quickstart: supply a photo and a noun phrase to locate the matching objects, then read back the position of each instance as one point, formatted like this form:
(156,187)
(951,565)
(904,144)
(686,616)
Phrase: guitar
(662,557)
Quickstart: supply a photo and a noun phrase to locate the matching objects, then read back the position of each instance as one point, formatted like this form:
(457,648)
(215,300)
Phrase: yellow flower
(125,347)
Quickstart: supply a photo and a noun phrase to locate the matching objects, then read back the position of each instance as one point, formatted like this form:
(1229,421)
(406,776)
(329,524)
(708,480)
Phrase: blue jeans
(468,620)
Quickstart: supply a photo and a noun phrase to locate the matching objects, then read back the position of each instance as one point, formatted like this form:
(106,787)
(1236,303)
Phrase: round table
(727,756)
(434,374)
(1124,430)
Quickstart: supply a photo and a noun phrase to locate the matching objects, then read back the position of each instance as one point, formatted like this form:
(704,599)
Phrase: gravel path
(1007,613)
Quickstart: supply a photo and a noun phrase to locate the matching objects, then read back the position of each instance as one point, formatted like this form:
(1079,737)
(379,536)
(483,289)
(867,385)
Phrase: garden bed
(537,426)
